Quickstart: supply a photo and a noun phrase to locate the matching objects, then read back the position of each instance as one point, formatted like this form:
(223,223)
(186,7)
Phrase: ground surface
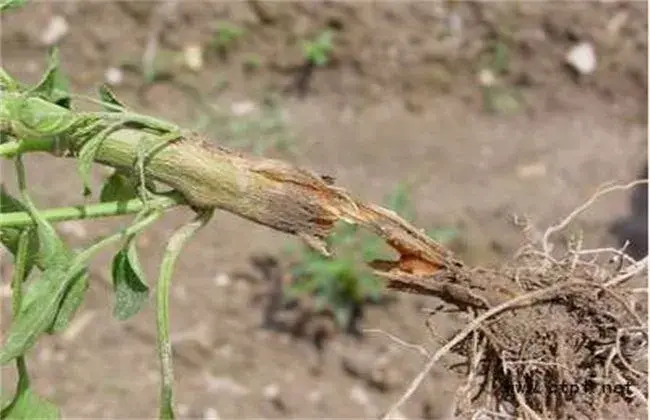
(401,101)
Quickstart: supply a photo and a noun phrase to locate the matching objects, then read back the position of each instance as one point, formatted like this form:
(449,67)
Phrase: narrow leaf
(131,290)
(54,87)
(107,95)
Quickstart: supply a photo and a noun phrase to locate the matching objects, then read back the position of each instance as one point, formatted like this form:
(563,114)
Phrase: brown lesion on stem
(294,200)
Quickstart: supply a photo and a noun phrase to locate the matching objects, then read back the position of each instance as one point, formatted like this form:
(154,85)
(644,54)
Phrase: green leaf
(53,251)
(107,96)
(11,235)
(39,117)
(28,406)
(131,290)
(11,4)
(72,300)
(42,303)
(118,187)
(54,87)
(501,58)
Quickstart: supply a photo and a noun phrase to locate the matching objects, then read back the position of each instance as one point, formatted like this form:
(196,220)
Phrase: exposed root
(553,336)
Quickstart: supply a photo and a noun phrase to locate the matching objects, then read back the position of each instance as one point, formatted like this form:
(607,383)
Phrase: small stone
(359,396)
(486,78)
(242,108)
(56,29)
(582,58)
(271,392)
(114,76)
(193,56)
(222,280)
(533,170)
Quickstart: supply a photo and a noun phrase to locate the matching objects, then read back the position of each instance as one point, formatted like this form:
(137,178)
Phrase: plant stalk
(174,248)
(91,211)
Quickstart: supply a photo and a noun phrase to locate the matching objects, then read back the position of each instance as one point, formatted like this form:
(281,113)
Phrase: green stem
(174,247)
(84,256)
(113,208)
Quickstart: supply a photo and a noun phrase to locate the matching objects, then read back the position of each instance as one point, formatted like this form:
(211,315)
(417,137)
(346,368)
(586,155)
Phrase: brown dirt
(400,101)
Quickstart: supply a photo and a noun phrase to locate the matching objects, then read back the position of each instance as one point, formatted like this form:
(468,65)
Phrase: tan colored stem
(281,196)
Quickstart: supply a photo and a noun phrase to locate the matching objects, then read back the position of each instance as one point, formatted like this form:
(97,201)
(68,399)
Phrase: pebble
(486,78)
(271,392)
(193,55)
(242,108)
(222,280)
(533,170)
(56,29)
(114,76)
(582,58)
(359,396)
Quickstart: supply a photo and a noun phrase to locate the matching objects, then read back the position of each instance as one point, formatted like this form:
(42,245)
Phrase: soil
(400,100)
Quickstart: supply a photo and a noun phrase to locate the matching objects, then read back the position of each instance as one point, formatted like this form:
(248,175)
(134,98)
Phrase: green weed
(497,97)
(226,36)
(319,50)
(263,129)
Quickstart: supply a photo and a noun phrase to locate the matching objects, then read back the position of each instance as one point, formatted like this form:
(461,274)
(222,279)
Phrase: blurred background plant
(226,36)
(318,51)
(258,128)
